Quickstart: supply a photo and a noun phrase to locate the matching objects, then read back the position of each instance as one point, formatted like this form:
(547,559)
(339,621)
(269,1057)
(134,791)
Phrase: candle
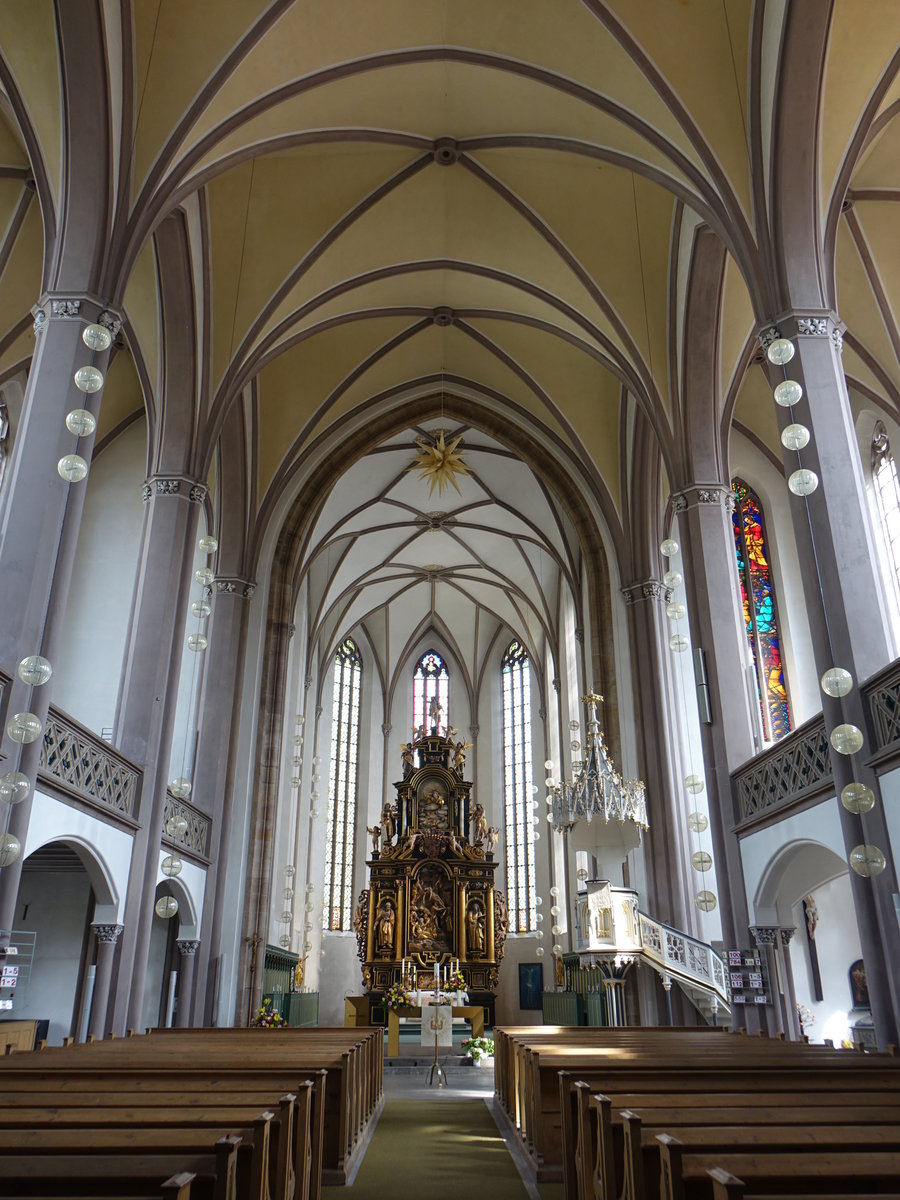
(437,976)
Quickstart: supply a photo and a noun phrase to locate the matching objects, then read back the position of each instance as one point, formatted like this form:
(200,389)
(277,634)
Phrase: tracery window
(517,783)
(887,497)
(342,788)
(760,610)
(431,678)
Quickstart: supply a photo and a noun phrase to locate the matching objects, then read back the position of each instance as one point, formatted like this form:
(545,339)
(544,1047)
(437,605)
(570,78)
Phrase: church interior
(449,515)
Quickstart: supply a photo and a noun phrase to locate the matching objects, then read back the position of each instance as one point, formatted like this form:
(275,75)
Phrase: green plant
(479,1048)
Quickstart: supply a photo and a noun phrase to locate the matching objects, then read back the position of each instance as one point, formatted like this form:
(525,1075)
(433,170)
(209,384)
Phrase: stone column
(188,948)
(717,628)
(767,938)
(146,710)
(220,707)
(40,516)
(791,1019)
(845,605)
(659,750)
(107,937)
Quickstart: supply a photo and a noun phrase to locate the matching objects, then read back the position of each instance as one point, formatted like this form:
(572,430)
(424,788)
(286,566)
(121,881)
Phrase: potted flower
(455,984)
(268,1017)
(480,1051)
(397,997)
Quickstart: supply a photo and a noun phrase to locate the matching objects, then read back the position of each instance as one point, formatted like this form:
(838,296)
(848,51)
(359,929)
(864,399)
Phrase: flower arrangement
(397,997)
(477,1048)
(455,982)
(268,1017)
(805,1017)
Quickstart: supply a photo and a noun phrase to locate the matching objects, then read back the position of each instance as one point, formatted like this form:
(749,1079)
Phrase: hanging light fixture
(597,788)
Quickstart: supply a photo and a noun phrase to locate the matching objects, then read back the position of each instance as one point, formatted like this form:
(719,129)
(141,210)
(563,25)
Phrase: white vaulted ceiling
(386,554)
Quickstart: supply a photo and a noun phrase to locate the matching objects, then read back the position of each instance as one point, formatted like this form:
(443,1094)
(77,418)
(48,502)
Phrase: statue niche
(431,898)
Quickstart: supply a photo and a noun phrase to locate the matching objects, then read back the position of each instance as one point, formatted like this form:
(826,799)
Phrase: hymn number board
(747,978)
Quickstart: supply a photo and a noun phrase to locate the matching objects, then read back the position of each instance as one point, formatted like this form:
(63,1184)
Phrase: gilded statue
(480,820)
(459,755)
(409,758)
(384,927)
(298,974)
(388,821)
(475,927)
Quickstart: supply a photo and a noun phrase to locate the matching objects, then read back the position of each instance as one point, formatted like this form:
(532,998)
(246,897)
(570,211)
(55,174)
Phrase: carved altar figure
(385,927)
(409,759)
(480,822)
(493,834)
(459,755)
(435,708)
(475,927)
(375,831)
(388,821)
(298,974)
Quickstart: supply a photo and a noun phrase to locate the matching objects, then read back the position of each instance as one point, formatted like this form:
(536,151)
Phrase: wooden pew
(728,1187)
(120,1175)
(810,1170)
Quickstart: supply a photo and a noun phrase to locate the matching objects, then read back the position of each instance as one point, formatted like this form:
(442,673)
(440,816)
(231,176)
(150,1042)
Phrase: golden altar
(431,900)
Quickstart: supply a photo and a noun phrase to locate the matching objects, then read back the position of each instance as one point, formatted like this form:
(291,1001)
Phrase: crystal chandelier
(597,789)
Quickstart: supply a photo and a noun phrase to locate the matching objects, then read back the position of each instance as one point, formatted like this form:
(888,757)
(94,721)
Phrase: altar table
(473,1013)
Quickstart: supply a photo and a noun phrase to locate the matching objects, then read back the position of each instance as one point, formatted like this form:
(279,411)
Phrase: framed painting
(531,985)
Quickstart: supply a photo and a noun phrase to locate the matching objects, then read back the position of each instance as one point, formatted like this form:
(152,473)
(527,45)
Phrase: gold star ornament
(439,463)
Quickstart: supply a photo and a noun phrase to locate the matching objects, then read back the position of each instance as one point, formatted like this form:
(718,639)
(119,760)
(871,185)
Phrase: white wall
(837,947)
(89,660)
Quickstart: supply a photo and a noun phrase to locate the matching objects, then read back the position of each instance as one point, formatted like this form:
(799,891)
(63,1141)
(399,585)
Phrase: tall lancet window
(431,678)
(887,497)
(517,780)
(342,788)
(760,611)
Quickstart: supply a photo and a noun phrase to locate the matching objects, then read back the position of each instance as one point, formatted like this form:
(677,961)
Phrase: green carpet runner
(437,1148)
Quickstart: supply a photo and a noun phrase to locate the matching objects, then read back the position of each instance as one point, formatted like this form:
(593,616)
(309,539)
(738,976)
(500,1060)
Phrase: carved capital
(703,493)
(812,326)
(579,635)
(173,485)
(646,589)
(108,934)
(65,306)
(233,585)
(787,934)
(188,946)
(767,336)
(111,321)
(765,935)
(386,729)
(474,731)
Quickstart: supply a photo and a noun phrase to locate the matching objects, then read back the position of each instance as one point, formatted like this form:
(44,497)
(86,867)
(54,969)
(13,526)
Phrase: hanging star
(439,463)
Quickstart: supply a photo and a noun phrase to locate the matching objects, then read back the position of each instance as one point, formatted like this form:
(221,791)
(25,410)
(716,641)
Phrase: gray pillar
(791,1020)
(147,699)
(107,937)
(717,628)
(669,870)
(188,948)
(767,938)
(40,516)
(845,605)
(220,709)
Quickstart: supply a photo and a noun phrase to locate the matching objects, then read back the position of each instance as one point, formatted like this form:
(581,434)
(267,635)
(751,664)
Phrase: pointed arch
(515,674)
(431,680)
(343,787)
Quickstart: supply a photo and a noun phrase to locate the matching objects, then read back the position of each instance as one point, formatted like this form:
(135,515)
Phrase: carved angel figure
(493,833)
(459,755)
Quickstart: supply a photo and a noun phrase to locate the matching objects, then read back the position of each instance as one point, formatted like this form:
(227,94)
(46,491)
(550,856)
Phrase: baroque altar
(431,904)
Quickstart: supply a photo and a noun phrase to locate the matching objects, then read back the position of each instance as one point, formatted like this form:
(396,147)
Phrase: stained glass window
(887,496)
(342,788)
(517,779)
(431,678)
(760,611)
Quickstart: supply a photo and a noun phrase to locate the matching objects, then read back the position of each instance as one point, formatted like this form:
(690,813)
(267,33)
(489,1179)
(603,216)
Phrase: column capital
(802,324)
(474,731)
(787,933)
(765,935)
(107,933)
(233,585)
(173,485)
(646,589)
(188,947)
(56,306)
(386,728)
(697,494)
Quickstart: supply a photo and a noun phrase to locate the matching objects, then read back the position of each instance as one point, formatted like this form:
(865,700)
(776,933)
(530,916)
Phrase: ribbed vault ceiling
(504,195)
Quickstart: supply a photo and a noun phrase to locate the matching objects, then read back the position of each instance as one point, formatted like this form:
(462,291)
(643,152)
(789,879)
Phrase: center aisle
(423,1147)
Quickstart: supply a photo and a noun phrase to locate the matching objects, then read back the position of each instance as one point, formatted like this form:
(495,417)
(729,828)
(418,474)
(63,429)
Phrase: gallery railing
(186,826)
(793,769)
(882,694)
(77,760)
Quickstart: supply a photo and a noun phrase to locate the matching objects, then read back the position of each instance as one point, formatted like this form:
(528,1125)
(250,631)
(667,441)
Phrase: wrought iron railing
(76,758)
(796,767)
